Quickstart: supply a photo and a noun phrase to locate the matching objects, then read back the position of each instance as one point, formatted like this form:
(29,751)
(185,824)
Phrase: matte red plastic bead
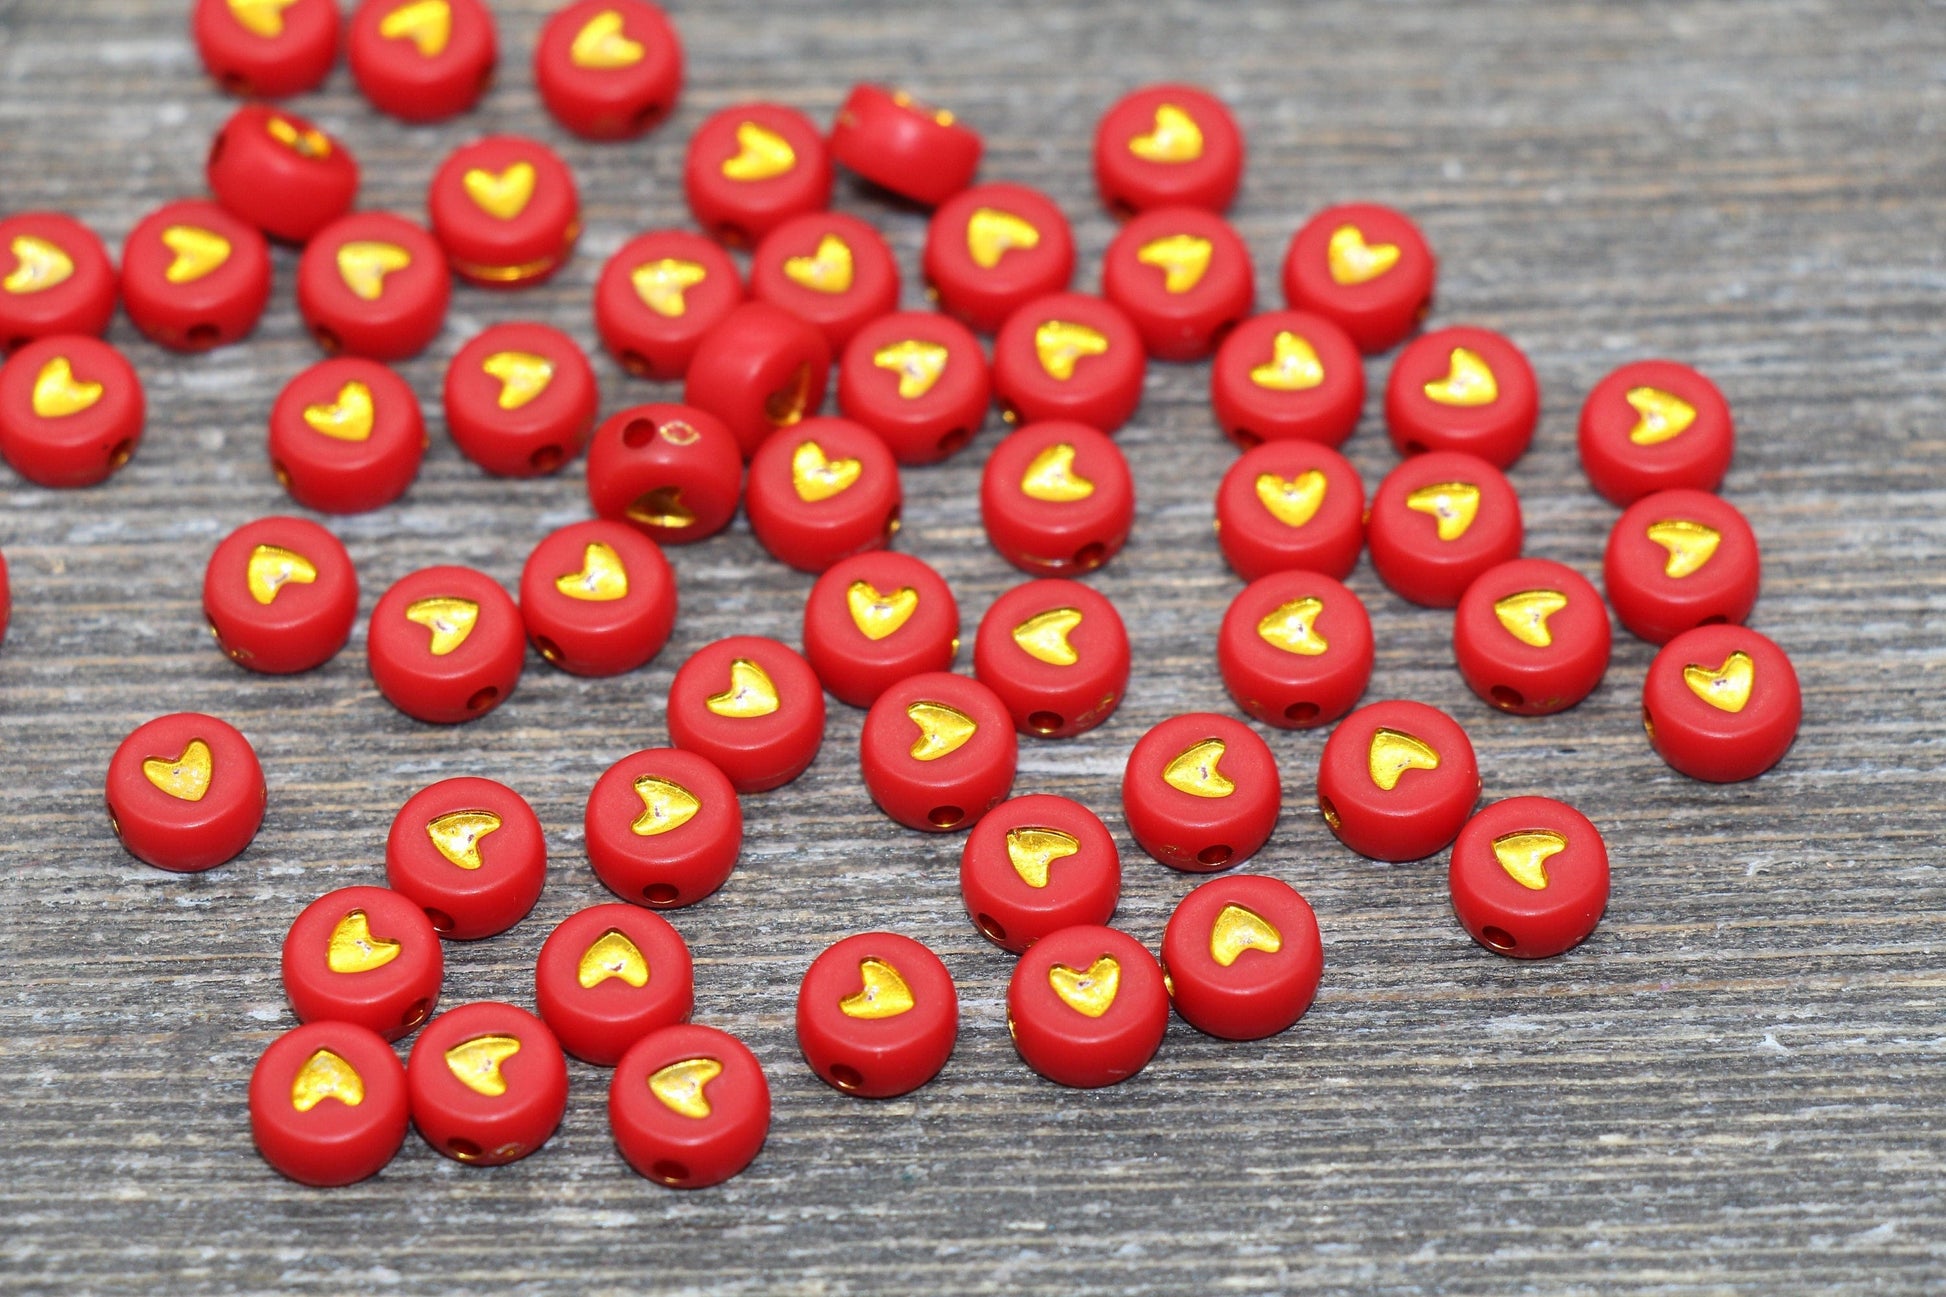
(1242,957)
(1295,649)
(823,490)
(363,955)
(327,1104)
(1037,864)
(1165,146)
(689,1106)
(520,399)
(266,50)
(917,379)
(1437,522)
(1529,877)
(277,171)
(1056,653)
(829,269)
(657,297)
(1201,792)
(1721,703)
(1086,1007)
(1465,390)
(469,852)
(375,285)
(185,792)
(1057,497)
(58,279)
(506,210)
(446,644)
(487,1082)
(1678,559)
(597,598)
(71,410)
(1531,637)
(877,1015)
(610,975)
(938,751)
(673,472)
(664,828)
(1397,780)
(874,619)
(346,436)
(994,248)
(194,276)
(1655,425)
(913,149)
(422,60)
(759,369)
(280,595)
(1289,505)
(1184,278)
(750,705)
(608,69)
(1069,356)
(1365,267)
(1287,376)
(751,167)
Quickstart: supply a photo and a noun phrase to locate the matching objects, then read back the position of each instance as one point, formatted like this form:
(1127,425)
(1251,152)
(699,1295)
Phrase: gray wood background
(1737,1085)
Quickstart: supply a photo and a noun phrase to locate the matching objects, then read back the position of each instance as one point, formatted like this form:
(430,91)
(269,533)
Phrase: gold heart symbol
(918,365)
(1061,344)
(1728,687)
(263,18)
(353,948)
(1089,992)
(57,393)
(456,836)
(1451,505)
(1525,615)
(186,777)
(612,955)
(661,507)
(1176,137)
(1238,929)
(1194,770)
(943,730)
(992,233)
(363,264)
(450,620)
(349,418)
(1354,261)
(750,693)
(1051,477)
(666,806)
(1469,381)
(829,271)
(523,376)
(271,567)
(883,994)
(1292,627)
(1690,544)
(661,283)
(1662,416)
(1292,501)
(198,252)
(1182,258)
(1045,636)
(1033,850)
(680,1086)
(819,478)
(761,154)
(1393,752)
(1293,365)
(1524,855)
(428,24)
(306,143)
(326,1075)
(878,615)
(38,264)
(601,45)
(602,578)
(503,196)
(476,1063)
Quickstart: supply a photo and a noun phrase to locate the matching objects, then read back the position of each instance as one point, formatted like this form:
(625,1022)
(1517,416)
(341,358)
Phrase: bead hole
(1302,713)
(1121,209)
(892,523)
(635,363)
(1717,620)
(1246,438)
(733,234)
(204,336)
(442,922)
(483,698)
(952,441)
(990,928)
(328,340)
(1045,723)
(668,1171)
(1415,448)
(1215,857)
(945,817)
(463,1149)
(282,474)
(547,458)
(1498,938)
(637,433)
(415,1013)
(1091,556)
(646,116)
(846,1078)
(121,453)
(216,145)
(661,894)
(1503,696)
(548,649)
(1648,723)
(1330,812)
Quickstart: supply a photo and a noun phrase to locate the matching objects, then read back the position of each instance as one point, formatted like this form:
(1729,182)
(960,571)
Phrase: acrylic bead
(830,270)
(938,751)
(1677,560)
(608,976)
(375,285)
(597,598)
(1468,391)
(1057,498)
(520,399)
(422,60)
(1721,704)
(751,167)
(750,705)
(1069,356)
(57,278)
(873,619)
(280,173)
(608,69)
(364,955)
(1397,780)
(1167,145)
(506,210)
(469,852)
(1056,653)
(1365,267)
(689,1106)
(487,1082)
(1183,278)
(1529,877)
(1531,637)
(917,379)
(672,472)
(1086,1006)
(877,1015)
(280,595)
(346,436)
(266,50)
(760,369)
(1655,425)
(658,295)
(912,149)
(185,792)
(1037,864)
(823,490)
(1242,957)
(194,276)
(994,248)
(1437,522)
(1287,376)
(446,645)
(327,1104)
(1291,505)
(1201,792)
(72,410)
(1295,649)
(663,827)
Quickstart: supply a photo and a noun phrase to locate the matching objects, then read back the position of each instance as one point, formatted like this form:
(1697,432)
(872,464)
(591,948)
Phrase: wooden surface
(1738,1085)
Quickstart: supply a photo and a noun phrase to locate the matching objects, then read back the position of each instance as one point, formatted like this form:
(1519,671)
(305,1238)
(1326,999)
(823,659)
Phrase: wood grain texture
(1737,1086)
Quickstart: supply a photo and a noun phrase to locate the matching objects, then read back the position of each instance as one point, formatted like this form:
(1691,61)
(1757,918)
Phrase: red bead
(373,284)
(823,490)
(609,976)
(446,645)
(71,410)
(1531,637)
(1365,267)
(938,751)
(1037,864)
(1069,356)
(1721,703)
(597,598)
(364,955)
(280,173)
(1201,792)
(520,399)
(1242,957)
(1397,780)
(422,60)
(469,852)
(750,705)
(346,436)
(194,276)
(657,297)
(671,471)
(1167,146)
(1287,376)
(917,379)
(1086,1007)
(1295,649)
(58,279)
(506,210)
(1676,560)
(1056,653)
(759,369)
(689,1106)
(831,270)
(1529,877)
(663,828)
(1655,425)
(327,1104)
(487,1082)
(751,167)
(1184,278)
(1437,522)
(1057,497)
(185,792)
(913,149)
(1465,390)
(266,51)
(608,69)
(877,1015)
(1289,505)
(992,249)
(874,619)
(280,595)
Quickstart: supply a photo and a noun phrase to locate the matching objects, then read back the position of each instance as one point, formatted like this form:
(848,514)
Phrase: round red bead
(58,279)
(1184,278)
(663,828)
(71,410)
(831,270)
(469,852)
(446,645)
(194,276)
(759,369)
(1529,877)
(1676,560)
(610,975)
(1289,505)
(750,705)
(1464,390)
(1242,957)
(1655,425)
(751,167)
(506,210)
(520,399)
(280,595)
(280,173)
(1037,864)
(657,297)
(1397,780)
(487,1082)
(1295,649)
(608,69)
(363,955)
(1057,497)
(992,249)
(1201,792)
(689,1106)
(913,149)
(1437,522)
(1069,356)
(917,379)
(597,598)
(823,490)
(671,471)
(1531,637)
(938,751)
(1721,703)
(185,792)
(1056,654)
(422,60)
(1287,376)
(266,51)
(874,619)
(327,1104)
(346,436)
(1164,146)
(1366,268)
(1086,1006)
(877,1015)
(373,284)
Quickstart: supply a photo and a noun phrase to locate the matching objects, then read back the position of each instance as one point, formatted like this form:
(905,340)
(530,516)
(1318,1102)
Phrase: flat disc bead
(874,619)
(758,370)
(1167,145)
(422,60)
(1242,957)
(1437,522)
(877,1015)
(917,379)
(280,595)
(506,210)
(658,295)
(266,51)
(1201,792)
(823,490)
(346,436)
(1291,505)
(1069,356)
(1183,277)
(831,270)
(751,167)
(364,955)
(664,828)
(1529,877)
(1366,267)
(688,1106)
(672,472)
(1655,425)
(520,399)
(608,69)
(1056,653)
(994,248)
(913,149)
(1295,649)
(597,598)
(194,276)
(185,792)
(750,705)
(58,279)
(608,976)
(375,285)
(280,173)
(1531,637)
(1397,780)
(470,853)
(1676,560)
(1086,1007)
(938,751)
(327,1104)
(446,645)
(72,410)
(1469,391)
(1057,497)
(1037,864)
(487,1082)
(1287,376)
(1721,704)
